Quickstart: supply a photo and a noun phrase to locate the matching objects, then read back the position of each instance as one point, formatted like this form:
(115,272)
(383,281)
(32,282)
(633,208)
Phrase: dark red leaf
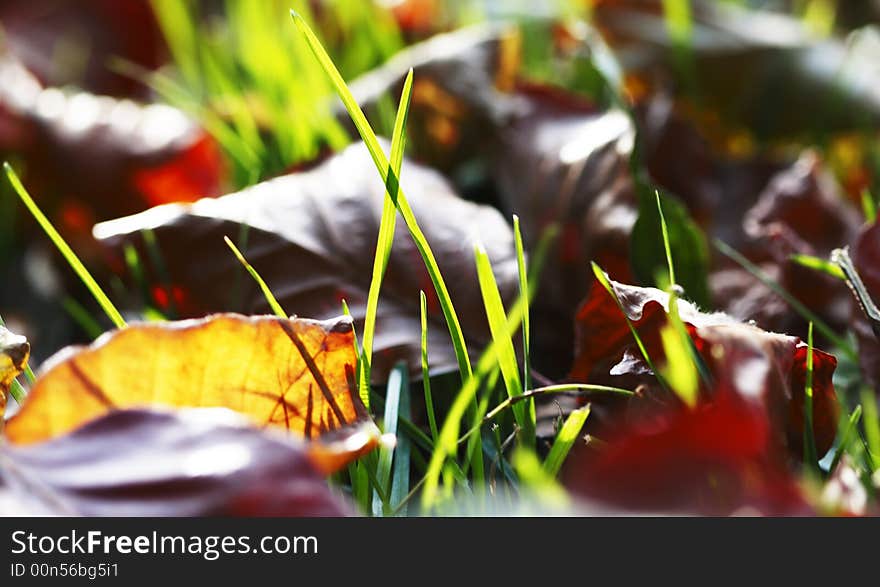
(71,42)
(711,460)
(764,368)
(95,157)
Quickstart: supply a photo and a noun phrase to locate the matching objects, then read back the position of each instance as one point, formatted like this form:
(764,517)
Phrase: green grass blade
(402,452)
(819,264)
(679,21)
(270,297)
(17,391)
(524,415)
(584,389)
(664,230)
(397,381)
(426,379)
(680,372)
(385,239)
(603,279)
(566,438)
(841,343)
(811,458)
(845,437)
(541,486)
(869,206)
(65,249)
(447,441)
(871,421)
(523,294)
(392,184)
(82,317)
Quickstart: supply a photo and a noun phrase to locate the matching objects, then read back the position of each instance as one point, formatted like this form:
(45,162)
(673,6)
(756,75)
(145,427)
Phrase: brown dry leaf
(312,237)
(758,70)
(14,352)
(458,99)
(296,374)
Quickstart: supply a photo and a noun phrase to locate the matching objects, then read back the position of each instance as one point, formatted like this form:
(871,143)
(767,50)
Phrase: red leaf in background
(102,156)
(71,42)
(194,462)
(764,368)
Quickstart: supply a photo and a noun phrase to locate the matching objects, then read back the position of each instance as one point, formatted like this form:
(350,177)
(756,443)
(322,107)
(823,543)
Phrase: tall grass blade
(664,230)
(392,185)
(385,240)
(523,294)
(65,249)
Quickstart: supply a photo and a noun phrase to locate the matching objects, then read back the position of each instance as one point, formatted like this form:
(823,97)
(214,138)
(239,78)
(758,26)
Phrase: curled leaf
(189,462)
(765,369)
(292,374)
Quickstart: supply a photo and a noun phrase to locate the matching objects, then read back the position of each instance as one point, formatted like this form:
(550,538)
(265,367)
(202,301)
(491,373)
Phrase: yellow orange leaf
(14,352)
(295,374)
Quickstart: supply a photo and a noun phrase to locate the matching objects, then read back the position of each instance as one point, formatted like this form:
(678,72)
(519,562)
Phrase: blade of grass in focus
(385,240)
(523,294)
(393,186)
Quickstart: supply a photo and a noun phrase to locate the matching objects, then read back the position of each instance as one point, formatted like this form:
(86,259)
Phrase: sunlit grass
(65,250)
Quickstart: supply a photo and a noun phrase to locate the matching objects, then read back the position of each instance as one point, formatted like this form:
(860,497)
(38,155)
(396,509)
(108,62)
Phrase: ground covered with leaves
(425,258)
